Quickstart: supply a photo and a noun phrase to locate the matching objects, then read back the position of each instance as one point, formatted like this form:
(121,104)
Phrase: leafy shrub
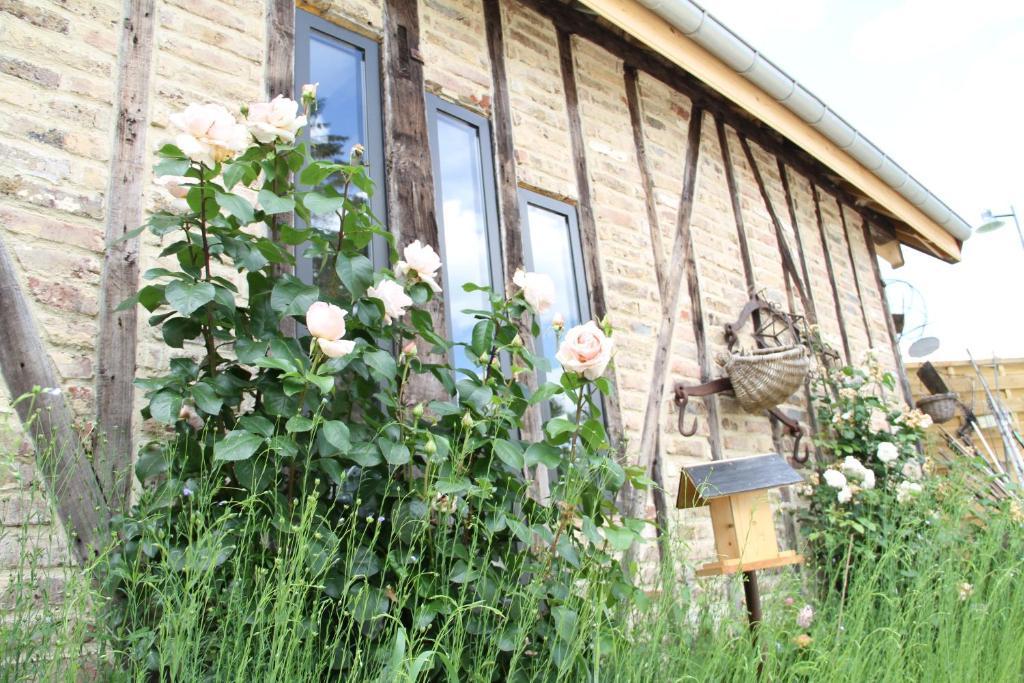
(311,467)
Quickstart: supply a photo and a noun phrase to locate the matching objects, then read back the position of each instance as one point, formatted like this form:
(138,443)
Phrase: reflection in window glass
(464,226)
(551,253)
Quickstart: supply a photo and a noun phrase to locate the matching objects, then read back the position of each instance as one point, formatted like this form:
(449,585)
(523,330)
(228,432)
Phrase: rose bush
(396,513)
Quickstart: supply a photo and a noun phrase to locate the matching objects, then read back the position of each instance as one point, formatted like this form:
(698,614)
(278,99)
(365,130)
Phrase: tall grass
(906,616)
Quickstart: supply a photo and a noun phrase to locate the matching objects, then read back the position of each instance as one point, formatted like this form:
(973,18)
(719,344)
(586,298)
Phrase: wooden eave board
(663,38)
(700,483)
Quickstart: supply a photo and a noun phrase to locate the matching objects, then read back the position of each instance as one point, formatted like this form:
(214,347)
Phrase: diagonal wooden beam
(831,272)
(737,208)
(856,276)
(69,478)
(809,309)
(118,337)
(890,326)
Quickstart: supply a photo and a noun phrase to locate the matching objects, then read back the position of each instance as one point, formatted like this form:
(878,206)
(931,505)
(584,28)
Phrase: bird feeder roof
(702,483)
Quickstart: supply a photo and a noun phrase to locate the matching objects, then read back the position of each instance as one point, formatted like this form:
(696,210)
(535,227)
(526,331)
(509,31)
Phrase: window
(551,245)
(347,67)
(470,249)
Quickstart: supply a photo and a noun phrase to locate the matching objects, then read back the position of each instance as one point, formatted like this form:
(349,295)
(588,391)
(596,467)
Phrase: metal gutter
(702,28)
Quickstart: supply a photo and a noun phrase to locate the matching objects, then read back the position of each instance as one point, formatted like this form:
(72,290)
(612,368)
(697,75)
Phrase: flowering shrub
(862,494)
(401,514)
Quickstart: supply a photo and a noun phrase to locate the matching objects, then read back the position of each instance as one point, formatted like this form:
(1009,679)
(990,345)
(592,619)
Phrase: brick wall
(57,80)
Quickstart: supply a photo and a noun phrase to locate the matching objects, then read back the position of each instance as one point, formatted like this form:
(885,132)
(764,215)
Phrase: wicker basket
(940,407)
(764,378)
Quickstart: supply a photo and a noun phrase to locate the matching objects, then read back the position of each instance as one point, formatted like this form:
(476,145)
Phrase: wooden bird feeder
(741,515)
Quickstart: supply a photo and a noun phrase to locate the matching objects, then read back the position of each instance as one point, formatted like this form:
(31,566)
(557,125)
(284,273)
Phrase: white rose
(422,262)
(325,321)
(394,298)
(586,350)
(925,422)
(276,120)
(879,422)
(912,470)
(208,133)
(868,481)
(336,348)
(538,289)
(906,490)
(835,479)
(844,495)
(887,452)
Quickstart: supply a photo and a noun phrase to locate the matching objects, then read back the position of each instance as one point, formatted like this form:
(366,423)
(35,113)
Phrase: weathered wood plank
(788,262)
(118,333)
(633,103)
(508,208)
(901,370)
(856,276)
(677,270)
(737,209)
(410,177)
(66,471)
(831,272)
(585,206)
(809,309)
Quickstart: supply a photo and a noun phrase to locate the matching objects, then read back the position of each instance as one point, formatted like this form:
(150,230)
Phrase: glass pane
(551,252)
(339,121)
(464,225)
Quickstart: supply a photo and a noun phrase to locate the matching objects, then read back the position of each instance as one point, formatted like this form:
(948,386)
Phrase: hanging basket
(764,378)
(940,407)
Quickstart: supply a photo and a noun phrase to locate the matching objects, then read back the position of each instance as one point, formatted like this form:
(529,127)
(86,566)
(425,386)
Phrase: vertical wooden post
(588,224)
(809,309)
(118,335)
(410,177)
(856,277)
(831,273)
(508,209)
(890,326)
(69,477)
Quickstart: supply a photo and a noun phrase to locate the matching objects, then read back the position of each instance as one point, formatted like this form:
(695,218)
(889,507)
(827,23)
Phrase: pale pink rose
(421,263)
(394,298)
(558,322)
(325,321)
(336,348)
(176,185)
(275,121)
(409,349)
(538,289)
(586,350)
(208,133)
(878,422)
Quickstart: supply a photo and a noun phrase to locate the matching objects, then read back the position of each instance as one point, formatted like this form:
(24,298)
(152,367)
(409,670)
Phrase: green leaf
(619,537)
(298,423)
(284,445)
(271,203)
(509,453)
(177,330)
(474,395)
(544,454)
(336,433)
(593,433)
(355,272)
(565,622)
(545,392)
(257,425)
(382,364)
(237,206)
(233,173)
(165,406)
(318,203)
(206,398)
(171,167)
(367,603)
(332,468)
(568,551)
(364,455)
(482,337)
(186,297)
(151,462)
(237,445)
(292,296)
(558,426)
(317,172)
(151,296)
(396,453)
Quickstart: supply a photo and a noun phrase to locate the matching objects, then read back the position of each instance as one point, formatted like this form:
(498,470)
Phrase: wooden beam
(118,333)
(901,370)
(410,177)
(585,206)
(63,463)
(655,32)
(788,262)
(508,210)
(831,272)
(856,277)
(737,209)
(678,268)
(633,103)
(809,310)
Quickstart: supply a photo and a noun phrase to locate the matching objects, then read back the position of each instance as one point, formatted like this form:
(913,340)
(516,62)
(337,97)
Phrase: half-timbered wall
(586,127)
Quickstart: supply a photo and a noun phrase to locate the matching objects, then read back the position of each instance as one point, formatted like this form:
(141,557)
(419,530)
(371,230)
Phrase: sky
(938,86)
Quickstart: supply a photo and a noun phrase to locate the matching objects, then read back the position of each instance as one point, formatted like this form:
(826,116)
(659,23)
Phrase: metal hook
(797,458)
(682,401)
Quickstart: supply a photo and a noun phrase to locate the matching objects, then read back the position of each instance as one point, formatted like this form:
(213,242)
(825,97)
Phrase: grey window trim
(306,26)
(436,105)
(529,198)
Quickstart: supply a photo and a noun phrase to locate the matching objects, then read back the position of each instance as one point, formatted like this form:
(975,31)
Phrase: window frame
(308,25)
(569,212)
(435,106)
